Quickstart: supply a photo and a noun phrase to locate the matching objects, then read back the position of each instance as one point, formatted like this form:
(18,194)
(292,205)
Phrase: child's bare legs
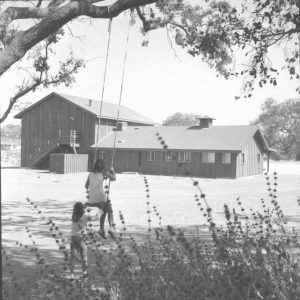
(110,217)
(72,260)
(73,255)
(107,210)
(102,219)
(77,243)
(83,256)
(111,220)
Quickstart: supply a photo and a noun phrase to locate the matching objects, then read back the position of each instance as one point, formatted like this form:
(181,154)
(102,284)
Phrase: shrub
(253,256)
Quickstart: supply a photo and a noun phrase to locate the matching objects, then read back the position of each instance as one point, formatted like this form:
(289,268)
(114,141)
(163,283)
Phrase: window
(226,158)
(243,158)
(258,157)
(184,156)
(208,157)
(187,156)
(151,155)
(181,156)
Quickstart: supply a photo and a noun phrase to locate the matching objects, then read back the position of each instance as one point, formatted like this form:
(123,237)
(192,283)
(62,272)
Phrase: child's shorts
(105,206)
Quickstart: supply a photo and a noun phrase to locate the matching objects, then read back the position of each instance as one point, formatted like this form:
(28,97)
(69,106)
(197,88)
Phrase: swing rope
(118,114)
(120,96)
(103,88)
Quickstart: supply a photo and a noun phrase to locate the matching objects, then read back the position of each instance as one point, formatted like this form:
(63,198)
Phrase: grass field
(55,195)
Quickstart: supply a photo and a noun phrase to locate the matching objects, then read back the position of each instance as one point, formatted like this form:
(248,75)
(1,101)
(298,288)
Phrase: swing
(107,186)
(120,95)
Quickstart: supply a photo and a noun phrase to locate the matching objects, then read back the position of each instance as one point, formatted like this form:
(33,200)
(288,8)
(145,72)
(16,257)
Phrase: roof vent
(204,122)
(90,102)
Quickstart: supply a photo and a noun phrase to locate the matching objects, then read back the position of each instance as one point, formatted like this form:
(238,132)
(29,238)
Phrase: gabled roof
(109,110)
(215,138)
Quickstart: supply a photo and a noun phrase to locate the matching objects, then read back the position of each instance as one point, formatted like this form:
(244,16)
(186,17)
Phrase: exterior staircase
(63,138)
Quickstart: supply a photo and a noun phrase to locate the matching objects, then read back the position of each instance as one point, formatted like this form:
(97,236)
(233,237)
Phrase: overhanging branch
(52,21)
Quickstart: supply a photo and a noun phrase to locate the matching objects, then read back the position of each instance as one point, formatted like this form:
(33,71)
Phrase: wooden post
(268,163)
(73,140)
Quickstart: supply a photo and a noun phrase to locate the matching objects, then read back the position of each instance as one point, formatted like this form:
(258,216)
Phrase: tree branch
(39,3)
(25,88)
(147,25)
(14,99)
(111,11)
(51,22)
(13,13)
(55,3)
(282,33)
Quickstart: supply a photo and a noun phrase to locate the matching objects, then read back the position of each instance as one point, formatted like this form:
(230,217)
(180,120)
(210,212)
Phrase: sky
(160,80)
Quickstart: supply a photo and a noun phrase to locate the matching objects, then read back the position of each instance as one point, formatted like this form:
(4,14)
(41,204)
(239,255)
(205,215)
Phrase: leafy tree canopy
(11,130)
(180,119)
(213,30)
(280,124)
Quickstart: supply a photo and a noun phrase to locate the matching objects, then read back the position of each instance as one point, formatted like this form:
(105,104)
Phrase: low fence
(63,163)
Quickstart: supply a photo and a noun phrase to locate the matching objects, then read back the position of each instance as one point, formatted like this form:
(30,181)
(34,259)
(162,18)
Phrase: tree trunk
(25,40)
(54,20)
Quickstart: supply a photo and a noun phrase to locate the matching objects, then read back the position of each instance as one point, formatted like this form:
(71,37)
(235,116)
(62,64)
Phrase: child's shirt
(79,226)
(96,191)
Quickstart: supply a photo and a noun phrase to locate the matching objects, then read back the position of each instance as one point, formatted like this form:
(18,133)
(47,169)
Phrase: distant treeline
(11,130)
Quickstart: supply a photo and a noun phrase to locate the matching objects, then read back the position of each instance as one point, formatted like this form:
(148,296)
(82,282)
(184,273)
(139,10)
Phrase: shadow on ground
(20,261)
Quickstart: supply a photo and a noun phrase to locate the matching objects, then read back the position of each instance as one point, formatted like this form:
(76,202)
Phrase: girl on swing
(97,196)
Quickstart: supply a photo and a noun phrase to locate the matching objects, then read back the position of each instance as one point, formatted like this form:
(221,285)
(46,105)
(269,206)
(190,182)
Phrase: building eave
(21,113)
(169,149)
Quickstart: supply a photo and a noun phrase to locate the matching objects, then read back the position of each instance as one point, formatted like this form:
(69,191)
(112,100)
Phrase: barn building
(59,126)
(297,109)
(62,123)
(200,151)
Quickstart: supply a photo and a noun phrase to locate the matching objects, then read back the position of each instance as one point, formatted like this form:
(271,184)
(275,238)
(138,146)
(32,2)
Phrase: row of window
(206,157)
(185,156)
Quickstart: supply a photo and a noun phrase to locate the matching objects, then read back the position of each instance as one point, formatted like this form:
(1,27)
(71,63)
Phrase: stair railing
(64,137)
(52,143)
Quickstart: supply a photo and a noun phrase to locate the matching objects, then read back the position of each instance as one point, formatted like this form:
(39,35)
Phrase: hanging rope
(120,96)
(118,114)
(103,88)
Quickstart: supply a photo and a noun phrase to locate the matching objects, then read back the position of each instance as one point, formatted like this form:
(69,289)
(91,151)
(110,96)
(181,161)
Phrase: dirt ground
(10,158)
(55,194)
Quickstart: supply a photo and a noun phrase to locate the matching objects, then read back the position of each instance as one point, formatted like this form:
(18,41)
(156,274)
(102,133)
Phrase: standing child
(96,194)
(79,225)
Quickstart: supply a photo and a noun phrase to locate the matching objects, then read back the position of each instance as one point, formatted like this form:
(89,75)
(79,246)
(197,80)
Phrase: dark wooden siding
(137,161)
(23,143)
(42,122)
(298,140)
(213,170)
(251,165)
(298,150)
